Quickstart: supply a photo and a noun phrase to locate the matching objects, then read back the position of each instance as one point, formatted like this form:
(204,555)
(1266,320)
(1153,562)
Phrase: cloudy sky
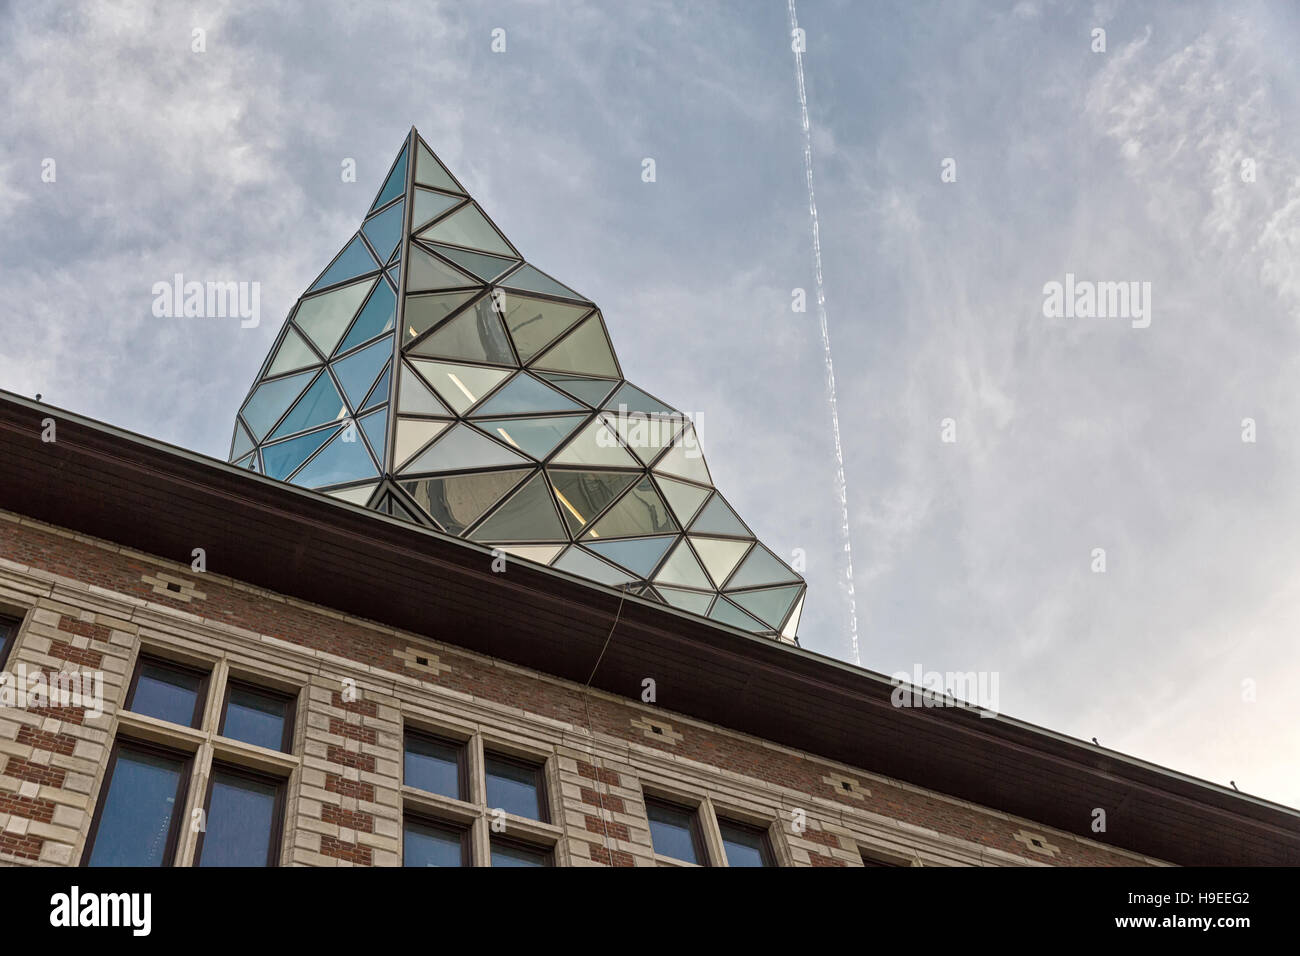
(1072,434)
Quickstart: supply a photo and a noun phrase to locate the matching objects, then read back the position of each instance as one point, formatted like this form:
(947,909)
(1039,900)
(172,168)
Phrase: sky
(965,154)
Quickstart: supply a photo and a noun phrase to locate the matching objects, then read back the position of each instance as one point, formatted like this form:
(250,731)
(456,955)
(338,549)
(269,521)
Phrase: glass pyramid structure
(431,374)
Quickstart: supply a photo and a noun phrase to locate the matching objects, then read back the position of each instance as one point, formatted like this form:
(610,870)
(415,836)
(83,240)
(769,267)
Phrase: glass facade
(498,412)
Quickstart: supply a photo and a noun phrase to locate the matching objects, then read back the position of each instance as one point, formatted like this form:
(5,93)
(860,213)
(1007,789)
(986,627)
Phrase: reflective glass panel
(324,317)
(584,350)
(269,401)
(384,230)
(412,435)
(761,567)
(584,494)
(512,854)
(640,511)
(475,335)
(416,397)
(596,444)
(423,312)
(379,394)
(139,809)
(427,844)
(433,765)
(535,323)
(294,353)
(167,693)
(461,449)
(428,205)
(430,172)
(481,264)
(533,280)
(358,371)
(375,426)
(682,568)
(354,260)
(283,457)
(375,319)
(590,390)
(460,386)
(727,613)
(639,555)
(458,501)
(534,436)
(718,518)
(468,227)
(241,821)
(425,272)
(339,462)
(745,846)
(685,459)
(719,555)
(525,395)
(587,565)
(673,831)
(512,787)
(684,499)
(529,515)
(242,444)
(256,717)
(768,606)
(395,184)
(319,404)
(693,601)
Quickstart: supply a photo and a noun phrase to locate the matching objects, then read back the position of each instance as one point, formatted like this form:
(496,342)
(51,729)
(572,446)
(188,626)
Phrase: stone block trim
(844,786)
(1036,842)
(173,586)
(422,660)
(655,729)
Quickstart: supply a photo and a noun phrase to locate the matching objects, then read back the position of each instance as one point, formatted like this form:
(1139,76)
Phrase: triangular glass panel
(640,511)
(645,434)
(324,317)
(481,264)
(460,386)
(379,394)
(412,435)
(319,404)
(253,465)
(242,442)
(535,323)
(529,515)
(430,172)
(639,555)
(529,279)
(294,353)
(792,622)
(694,601)
(375,425)
(457,501)
(537,553)
(585,350)
(424,272)
(244,462)
(533,436)
(525,395)
(682,569)
(375,319)
(269,400)
(354,260)
(587,565)
(395,184)
(340,461)
(280,459)
(357,494)
(399,509)
(429,205)
(761,567)
(468,226)
(685,459)
(476,335)
(585,494)
(397,256)
(394,276)
(719,555)
(596,445)
(462,448)
(416,398)
(423,312)
(718,518)
(384,230)
(770,605)
(629,398)
(358,371)
(589,390)
(726,613)
(684,499)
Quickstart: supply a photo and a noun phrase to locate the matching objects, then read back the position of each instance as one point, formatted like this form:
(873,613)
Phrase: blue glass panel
(432,765)
(590,390)
(377,317)
(744,846)
(671,831)
(138,810)
(718,518)
(358,372)
(319,404)
(384,230)
(283,457)
(242,444)
(395,184)
(354,260)
(379,394)
(525,394)
(639,555)
(270,400)
(341,461)
(166,693)
(512,787)
(240,821)
(255,717)
(508,854)
(375,425)
(425,845)
(536,436)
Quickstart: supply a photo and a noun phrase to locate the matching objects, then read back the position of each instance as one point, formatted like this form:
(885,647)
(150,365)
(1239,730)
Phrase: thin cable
(586,704)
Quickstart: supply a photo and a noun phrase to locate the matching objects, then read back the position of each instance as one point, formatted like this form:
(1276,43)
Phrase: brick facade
(89,604)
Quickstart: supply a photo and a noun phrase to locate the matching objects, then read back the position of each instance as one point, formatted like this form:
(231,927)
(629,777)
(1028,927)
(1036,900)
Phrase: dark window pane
(240,821)
(433,765)
(256,717)
(512,854)
(672,831)
(167,693)
(745,846)
(138,810)
(512,787)
(4,642)
(425,844)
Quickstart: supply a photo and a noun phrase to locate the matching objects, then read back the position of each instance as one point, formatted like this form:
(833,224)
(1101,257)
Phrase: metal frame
(280,784)
(106,787)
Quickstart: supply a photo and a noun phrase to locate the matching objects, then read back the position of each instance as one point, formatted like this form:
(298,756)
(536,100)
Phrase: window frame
(276,837)
(766,851)
(9,628)
(546,851)
(172,847)
(426,820)
(462,762)
(539,782)
(696,828)
(201,696)
(290,711)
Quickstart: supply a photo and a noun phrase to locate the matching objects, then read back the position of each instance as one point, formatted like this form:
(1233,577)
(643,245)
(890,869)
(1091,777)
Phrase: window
(8,634)
(168,691)
(426,843)
(745,845)
(515,787)
(509,853)
(257,716)
(242,820)
(435,765)
(137,822)
(675,831)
